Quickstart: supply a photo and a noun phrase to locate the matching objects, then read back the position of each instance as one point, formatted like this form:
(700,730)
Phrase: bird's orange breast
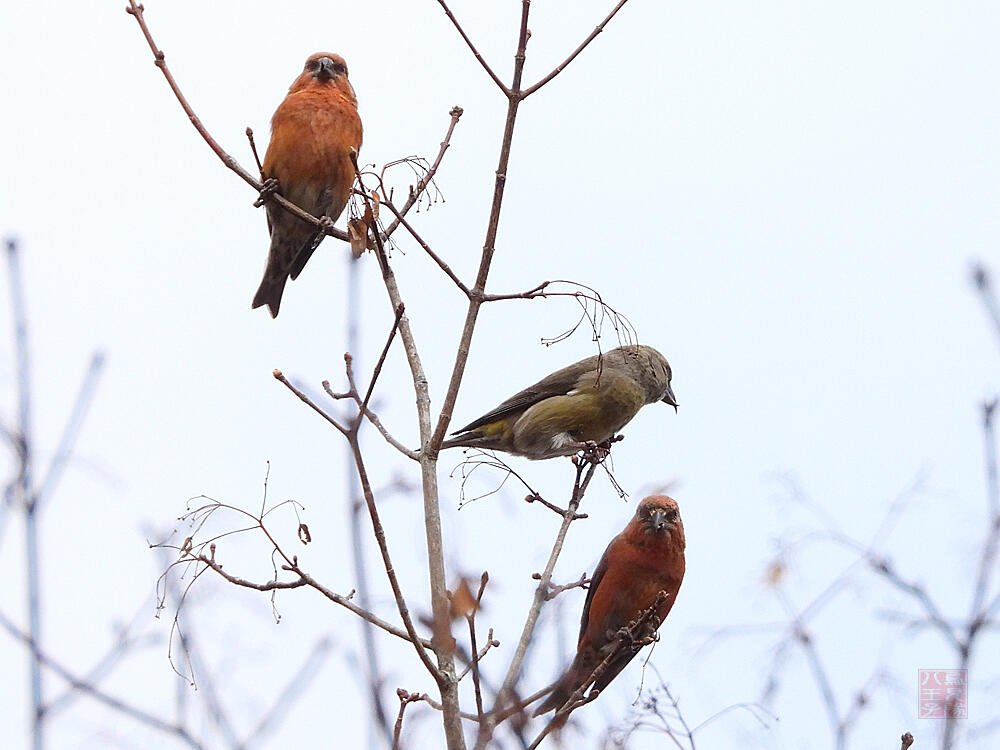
(312,134)
(635,576)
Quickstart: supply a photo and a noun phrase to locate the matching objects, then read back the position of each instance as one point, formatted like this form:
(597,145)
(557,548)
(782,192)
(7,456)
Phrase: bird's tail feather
(304,255)
(559,695)
(469,440)
(269,293)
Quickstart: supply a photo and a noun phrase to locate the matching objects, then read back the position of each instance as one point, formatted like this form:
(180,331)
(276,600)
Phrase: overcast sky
(784,198)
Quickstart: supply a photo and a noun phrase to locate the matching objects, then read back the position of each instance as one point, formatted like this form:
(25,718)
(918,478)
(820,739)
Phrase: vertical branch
(71,431)
(356,507)
(562,66)
(979,612)
(989,551)
(473,646)
(23,488)
(541,593)
(514,97)
(822,682)
(990,457)
(442,642)
(984,285)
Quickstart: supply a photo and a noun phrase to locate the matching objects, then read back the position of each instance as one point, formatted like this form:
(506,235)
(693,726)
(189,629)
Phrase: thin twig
(489,245)
(139,715)
(536,498)
(380,714)
(918,592)
(562,66)
(72,429)
(296,686)
(554,590)
(304,579)
(427,248)
(990,544)
(400,308)
(428,178)
(253,148)
(474,649)
(25,497)
(214,706)
(490,643)
(438,707)
(123,643)
(390,571)
(405,699)
(632,637)
(478,458)
(472,47)
(443,643)
(136,10)
(536,292)
(820,676)
(373,418)
(984,284)
(279,376)
(580,484)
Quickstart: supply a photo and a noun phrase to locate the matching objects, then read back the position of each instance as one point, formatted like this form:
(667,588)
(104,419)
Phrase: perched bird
(586,402)
(645,559)
(313,132)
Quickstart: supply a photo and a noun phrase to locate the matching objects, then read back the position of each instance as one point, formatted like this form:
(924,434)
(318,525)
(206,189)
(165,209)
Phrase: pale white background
(783,197)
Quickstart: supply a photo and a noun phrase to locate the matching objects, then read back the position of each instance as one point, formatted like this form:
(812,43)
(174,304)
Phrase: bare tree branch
(562,66)
(280,377)
(427,249)
(634,636)
(143,717)
(373,418)
(984,285)
(123,643)
(304,579)
(428,178)
(381,361)
(72,429)
(24,496)
(489,245)
(443,643)
(136,10)
(472,47)
(296,686)
(514,670)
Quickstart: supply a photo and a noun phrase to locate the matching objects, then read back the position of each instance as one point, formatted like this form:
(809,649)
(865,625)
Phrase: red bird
(645,559)
(312,134)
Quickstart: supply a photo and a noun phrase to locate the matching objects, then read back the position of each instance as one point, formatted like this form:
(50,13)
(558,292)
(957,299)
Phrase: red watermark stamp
(944,693)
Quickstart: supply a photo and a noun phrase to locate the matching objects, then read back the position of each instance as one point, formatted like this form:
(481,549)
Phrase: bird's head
(325,69)
(653,372)
(658,514)
(325,66)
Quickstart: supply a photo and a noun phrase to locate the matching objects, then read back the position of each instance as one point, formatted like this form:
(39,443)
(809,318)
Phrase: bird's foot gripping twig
(268,188)
(325,224)
(555,590)
(596,453)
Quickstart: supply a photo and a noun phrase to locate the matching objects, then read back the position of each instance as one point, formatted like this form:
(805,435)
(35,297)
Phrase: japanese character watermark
(944,693)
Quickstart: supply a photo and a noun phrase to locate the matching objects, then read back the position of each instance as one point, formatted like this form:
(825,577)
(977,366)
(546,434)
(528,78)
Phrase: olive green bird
(587,402)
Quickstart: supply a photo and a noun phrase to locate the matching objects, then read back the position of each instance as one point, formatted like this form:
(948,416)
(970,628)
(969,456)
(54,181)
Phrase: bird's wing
(595,581)
(558,383)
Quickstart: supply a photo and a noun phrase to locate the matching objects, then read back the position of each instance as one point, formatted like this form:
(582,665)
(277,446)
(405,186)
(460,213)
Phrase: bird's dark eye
(312,64)
(672,515)
(340,68)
